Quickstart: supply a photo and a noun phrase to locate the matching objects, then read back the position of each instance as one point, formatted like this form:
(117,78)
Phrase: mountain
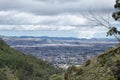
(59,38)
(103,67)
(42,37)
(15,65)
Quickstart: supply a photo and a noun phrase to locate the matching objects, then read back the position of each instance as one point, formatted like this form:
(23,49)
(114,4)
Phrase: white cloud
(15,20)
(25,21)
(37,27)
(61,15)
(21,18)
(91,32)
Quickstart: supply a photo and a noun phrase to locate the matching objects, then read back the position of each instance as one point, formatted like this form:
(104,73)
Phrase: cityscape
(60,52)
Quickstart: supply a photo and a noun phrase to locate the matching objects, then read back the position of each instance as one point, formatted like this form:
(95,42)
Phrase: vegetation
(105,21)
(116,15)
(103,67)
(113,31)
(15,65)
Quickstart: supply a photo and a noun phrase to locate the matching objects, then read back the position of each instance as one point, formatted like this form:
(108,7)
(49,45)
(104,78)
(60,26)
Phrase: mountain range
(62,38)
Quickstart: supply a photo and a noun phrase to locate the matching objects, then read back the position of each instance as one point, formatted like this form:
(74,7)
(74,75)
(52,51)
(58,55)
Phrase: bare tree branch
(102,21)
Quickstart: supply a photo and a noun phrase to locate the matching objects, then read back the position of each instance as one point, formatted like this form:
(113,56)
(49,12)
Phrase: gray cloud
(53,7)
(58,15)
(56,1)
(22,18)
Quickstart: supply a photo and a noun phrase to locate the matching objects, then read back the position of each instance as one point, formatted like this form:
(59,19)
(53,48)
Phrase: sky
(54,18)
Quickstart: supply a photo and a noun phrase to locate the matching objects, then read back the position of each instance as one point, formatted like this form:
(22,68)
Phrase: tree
(102,21)
(116,15)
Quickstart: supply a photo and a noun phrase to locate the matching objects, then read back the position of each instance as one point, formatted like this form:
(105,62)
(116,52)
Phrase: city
(61,53)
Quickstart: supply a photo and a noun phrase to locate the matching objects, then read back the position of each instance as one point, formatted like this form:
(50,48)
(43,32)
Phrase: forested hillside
(15,65)
(104,67)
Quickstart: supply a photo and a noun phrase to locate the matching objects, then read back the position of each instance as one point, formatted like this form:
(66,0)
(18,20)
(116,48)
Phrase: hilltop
(103,67)
(15,65)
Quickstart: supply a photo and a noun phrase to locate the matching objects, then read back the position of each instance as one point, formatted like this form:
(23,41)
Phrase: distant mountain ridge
(62,38)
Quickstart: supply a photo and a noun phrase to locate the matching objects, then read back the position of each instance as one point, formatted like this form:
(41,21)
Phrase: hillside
(15,65)
(103,67)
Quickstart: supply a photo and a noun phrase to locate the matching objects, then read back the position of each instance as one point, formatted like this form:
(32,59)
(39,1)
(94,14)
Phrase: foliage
(113,31)
(103,67)
(116,15)
(15,65)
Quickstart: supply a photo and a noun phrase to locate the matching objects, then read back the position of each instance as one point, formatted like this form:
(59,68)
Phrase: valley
(60,52)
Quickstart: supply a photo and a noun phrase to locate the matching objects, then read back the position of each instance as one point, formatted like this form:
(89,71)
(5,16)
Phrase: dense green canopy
(15,65)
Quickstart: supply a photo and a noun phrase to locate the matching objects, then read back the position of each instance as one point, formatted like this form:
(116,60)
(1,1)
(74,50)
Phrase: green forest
(15,65)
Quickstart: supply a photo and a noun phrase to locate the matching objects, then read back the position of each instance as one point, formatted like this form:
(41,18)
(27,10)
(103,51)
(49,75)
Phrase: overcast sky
(59,18)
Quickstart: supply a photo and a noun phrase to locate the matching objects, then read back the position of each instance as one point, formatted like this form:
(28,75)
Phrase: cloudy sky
(56,18)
